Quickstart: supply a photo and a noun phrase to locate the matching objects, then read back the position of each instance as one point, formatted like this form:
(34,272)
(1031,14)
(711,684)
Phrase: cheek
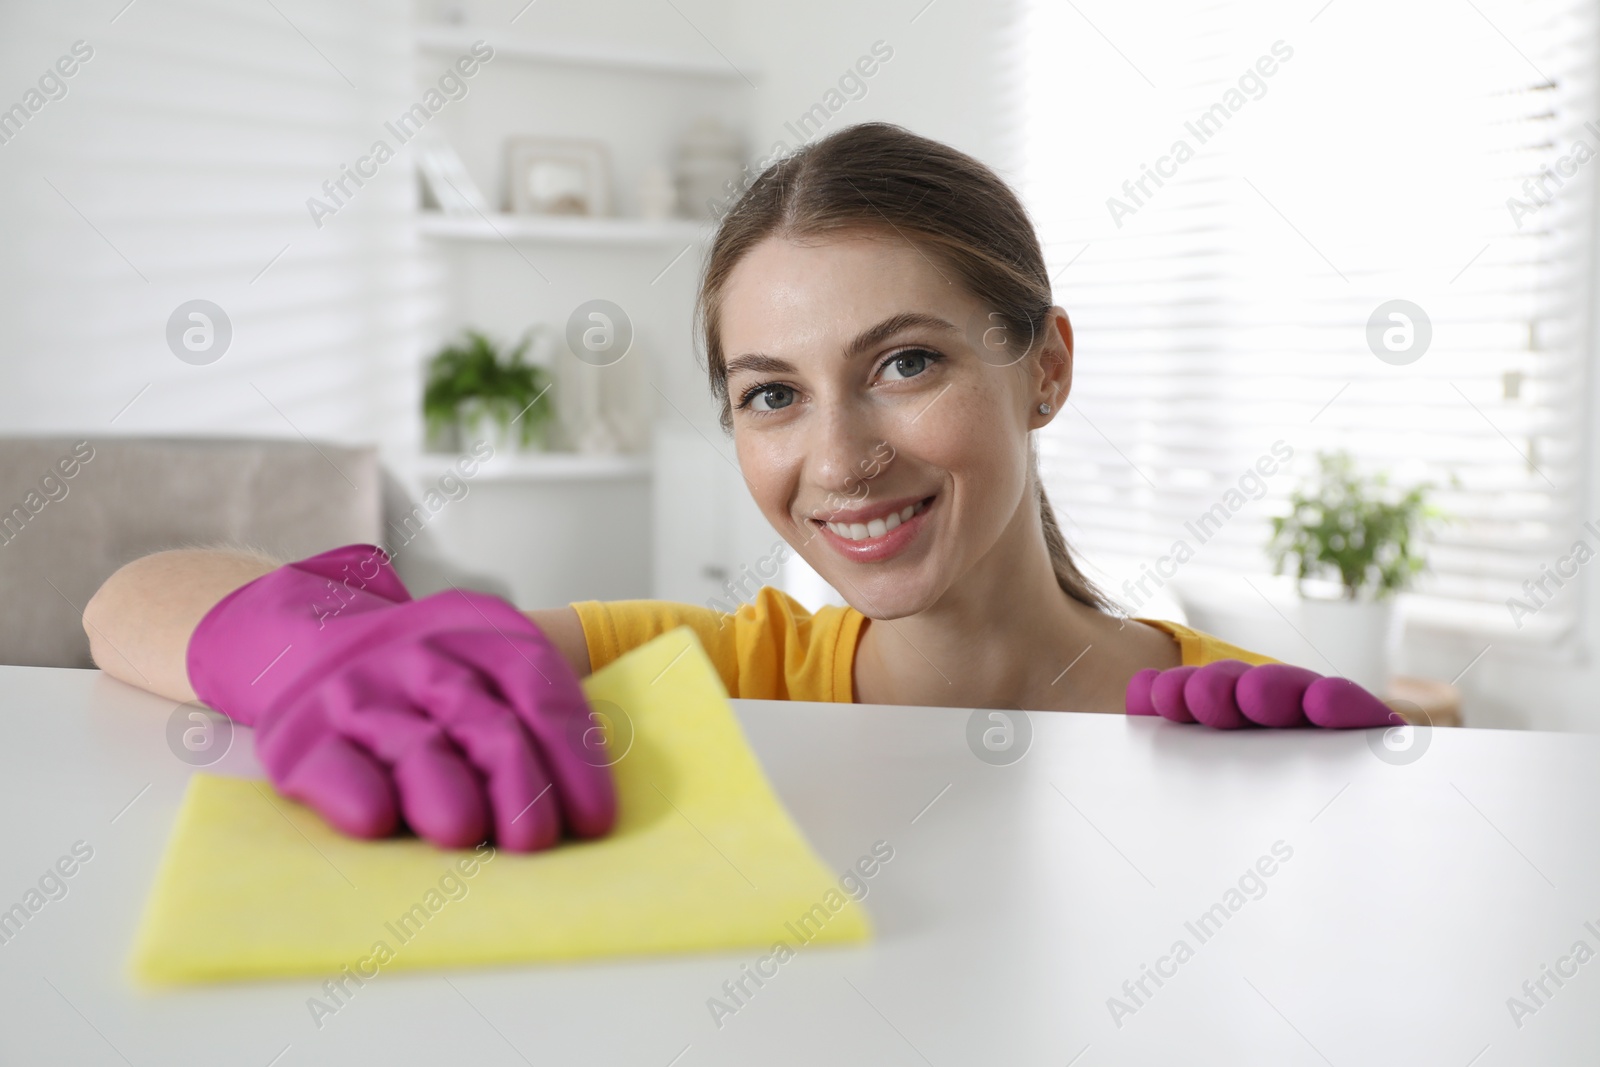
(984,457)
(766,466)
(967,433)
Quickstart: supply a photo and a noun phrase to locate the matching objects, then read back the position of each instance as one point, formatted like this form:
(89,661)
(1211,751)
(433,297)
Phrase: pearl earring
(1044,409)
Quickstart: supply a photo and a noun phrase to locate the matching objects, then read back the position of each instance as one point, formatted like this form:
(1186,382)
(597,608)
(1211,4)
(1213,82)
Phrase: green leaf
(1354,528)
(473,374)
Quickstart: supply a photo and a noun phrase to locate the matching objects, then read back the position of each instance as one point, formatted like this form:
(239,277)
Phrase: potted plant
(474,390)
(1354,540)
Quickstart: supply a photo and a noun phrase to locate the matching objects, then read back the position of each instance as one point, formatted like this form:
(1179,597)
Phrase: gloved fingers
(530,675)
(388,731)
(343,784)
(1340,704)
(375,704)
(446,712)
(440,794)
(525,800)
(1166,693)
(524,805)
(522,796)
(1137,699)
(1272,694)
(1209,695)
(1230,694)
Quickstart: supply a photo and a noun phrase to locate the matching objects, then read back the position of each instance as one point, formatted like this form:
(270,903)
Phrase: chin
(886,597)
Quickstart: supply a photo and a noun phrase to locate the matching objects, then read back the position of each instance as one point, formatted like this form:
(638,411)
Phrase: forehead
(787,294)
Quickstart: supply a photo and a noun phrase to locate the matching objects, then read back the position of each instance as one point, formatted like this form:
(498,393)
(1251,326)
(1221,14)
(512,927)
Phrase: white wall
(947,78)
(177,167)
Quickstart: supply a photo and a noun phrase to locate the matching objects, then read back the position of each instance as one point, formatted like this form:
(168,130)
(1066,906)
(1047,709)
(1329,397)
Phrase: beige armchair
(73,509)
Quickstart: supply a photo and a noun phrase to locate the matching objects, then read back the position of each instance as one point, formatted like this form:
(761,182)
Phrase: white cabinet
(707,526)
(540,530)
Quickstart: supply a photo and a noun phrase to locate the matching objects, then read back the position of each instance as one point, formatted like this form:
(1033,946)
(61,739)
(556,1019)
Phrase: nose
(845,449)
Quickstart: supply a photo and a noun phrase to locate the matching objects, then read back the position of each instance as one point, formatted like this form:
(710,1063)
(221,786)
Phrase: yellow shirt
(773,648)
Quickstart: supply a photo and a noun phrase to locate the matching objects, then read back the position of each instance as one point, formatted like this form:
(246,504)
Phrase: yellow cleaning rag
(704,856)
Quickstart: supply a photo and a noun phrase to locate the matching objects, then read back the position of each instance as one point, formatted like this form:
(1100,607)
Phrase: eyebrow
(867,339)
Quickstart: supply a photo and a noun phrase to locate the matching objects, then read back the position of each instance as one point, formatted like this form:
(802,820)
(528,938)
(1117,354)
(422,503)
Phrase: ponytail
(1068,576)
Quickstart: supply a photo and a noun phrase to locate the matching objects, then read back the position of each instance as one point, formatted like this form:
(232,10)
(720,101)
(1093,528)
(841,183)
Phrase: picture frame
(446,185)
(557,176)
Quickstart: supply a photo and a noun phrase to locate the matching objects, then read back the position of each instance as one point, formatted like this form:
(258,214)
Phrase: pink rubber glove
(455,711)
(1230,694)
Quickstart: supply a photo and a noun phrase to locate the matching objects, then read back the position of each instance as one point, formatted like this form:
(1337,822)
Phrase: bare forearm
(140,620)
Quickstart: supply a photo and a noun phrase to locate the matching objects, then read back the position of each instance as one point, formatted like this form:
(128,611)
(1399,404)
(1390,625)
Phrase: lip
(886,546)
(877,511)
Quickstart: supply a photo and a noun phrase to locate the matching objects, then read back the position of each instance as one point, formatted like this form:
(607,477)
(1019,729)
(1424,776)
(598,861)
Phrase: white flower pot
(1357,639)
(480,425)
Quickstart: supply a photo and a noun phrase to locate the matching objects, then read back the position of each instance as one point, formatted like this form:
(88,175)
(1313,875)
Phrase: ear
(1053,373)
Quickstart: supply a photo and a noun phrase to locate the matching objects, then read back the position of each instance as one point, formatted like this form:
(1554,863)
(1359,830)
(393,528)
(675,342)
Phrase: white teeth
(855,531)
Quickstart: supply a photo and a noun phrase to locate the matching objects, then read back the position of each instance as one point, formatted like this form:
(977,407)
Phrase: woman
(879,330)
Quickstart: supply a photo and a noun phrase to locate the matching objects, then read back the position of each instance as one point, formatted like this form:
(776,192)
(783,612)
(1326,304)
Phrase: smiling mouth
(867,531)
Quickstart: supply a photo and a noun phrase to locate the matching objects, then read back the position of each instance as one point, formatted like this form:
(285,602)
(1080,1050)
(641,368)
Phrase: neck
(1005,635)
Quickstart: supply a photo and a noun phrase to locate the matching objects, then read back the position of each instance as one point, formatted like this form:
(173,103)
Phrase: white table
(1418,898)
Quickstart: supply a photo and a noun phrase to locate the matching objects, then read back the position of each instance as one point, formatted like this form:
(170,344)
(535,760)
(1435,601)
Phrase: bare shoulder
(565,631)
(1129,646)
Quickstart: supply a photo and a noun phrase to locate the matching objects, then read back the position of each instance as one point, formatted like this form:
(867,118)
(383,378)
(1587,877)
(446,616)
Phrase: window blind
(175,165)
(1300,171)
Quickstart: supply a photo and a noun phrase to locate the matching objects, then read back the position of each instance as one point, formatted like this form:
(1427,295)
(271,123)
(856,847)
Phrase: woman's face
(876,435)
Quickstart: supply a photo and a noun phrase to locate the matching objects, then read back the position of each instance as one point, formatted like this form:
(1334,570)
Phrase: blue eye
(917,358)
(767,390)
(908,363)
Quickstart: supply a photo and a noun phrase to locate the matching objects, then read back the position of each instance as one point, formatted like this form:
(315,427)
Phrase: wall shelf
(562,230)
(592,519)
(459,39)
